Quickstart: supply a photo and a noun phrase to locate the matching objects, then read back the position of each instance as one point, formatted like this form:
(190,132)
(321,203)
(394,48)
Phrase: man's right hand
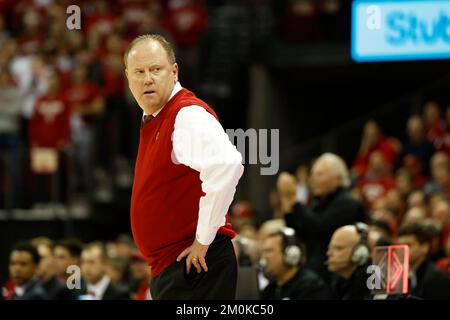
(287,190)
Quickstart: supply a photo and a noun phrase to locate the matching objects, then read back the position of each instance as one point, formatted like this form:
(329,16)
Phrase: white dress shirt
(99,288)
(200,142)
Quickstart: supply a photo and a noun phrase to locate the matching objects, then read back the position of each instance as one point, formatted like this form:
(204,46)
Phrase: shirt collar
(175,90)
(100,287)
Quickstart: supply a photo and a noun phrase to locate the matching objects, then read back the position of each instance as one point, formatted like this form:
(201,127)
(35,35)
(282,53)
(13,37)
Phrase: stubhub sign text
(400,30)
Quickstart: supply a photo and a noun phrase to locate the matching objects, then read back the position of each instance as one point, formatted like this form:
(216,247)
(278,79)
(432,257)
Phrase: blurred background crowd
(69,131)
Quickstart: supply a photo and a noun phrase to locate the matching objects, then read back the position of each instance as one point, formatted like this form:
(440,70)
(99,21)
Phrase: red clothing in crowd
(186,23)
(444,265)
(83,94)
(374,188)
(436,134)
(114,80)
(385,146)
(165,198)
(49,125)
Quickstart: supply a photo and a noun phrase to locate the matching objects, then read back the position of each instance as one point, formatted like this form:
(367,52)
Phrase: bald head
(340,250)
(165,45)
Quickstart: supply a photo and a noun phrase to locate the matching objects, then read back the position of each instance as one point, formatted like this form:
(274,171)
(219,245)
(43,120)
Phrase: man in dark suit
(290,280)
(23,262)
(332,207)
(427,281)
(93,269)
(46,272)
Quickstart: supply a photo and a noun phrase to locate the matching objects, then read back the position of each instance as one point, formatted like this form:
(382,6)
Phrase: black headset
(360,251)
(292,254)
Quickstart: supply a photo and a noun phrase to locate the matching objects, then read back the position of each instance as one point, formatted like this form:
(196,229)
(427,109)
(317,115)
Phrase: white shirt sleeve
(200,142)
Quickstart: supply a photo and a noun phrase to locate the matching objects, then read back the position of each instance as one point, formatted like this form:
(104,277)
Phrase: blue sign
(386,30)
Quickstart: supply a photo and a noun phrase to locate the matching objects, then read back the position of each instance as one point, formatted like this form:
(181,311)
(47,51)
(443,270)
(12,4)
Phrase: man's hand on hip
(196,256)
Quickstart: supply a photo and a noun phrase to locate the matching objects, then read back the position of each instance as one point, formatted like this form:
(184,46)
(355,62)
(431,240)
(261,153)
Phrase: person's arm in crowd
(306,221)
(200,142)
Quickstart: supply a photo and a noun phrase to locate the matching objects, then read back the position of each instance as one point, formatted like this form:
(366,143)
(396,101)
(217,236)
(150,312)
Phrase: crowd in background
(67,119)
(328,222)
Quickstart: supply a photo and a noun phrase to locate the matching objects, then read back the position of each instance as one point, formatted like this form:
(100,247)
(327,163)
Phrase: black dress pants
(219,283)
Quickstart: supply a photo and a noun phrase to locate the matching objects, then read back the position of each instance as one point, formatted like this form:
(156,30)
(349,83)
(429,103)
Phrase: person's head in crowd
(116,269)
(417,199)
(125,246)
(67,252)
(377,164)
(415,129)
(440,169)
(418,240)
(94,262)
(47,265)
(379,236)
(371,133)
(404,182)
(139,268)
(431,113)
(395,202)
(383,226)
(348,250)
(269,227)
(79,74)
(414,215)
(248,251)
(412,164)
(151,70)
(52,80)
(248,231)
(114,43)
(329,172)
(382,214)
(282,255)
(440,211)
(241,214)
(23,263)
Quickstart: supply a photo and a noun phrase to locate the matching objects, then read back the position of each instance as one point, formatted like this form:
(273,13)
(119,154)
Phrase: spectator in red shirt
(373,140)
(186,21)
(50,137)
(378,179)
(87,105)
(102,20)
(49,126)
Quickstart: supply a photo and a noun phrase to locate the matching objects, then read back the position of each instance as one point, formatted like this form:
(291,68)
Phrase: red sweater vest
(165,197)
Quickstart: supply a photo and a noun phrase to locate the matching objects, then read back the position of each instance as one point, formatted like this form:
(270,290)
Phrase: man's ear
(126,72)
(175,71)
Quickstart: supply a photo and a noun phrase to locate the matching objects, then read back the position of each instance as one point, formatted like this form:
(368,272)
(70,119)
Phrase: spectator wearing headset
(282,259)
(348,258)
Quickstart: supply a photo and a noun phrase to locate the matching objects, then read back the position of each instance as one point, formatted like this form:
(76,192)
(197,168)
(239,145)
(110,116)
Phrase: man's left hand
(196,256)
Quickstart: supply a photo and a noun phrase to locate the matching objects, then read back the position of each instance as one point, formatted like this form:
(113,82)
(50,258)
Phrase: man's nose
(148,78)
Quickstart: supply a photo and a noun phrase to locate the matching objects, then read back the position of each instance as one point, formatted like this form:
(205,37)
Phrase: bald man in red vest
(185,179)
